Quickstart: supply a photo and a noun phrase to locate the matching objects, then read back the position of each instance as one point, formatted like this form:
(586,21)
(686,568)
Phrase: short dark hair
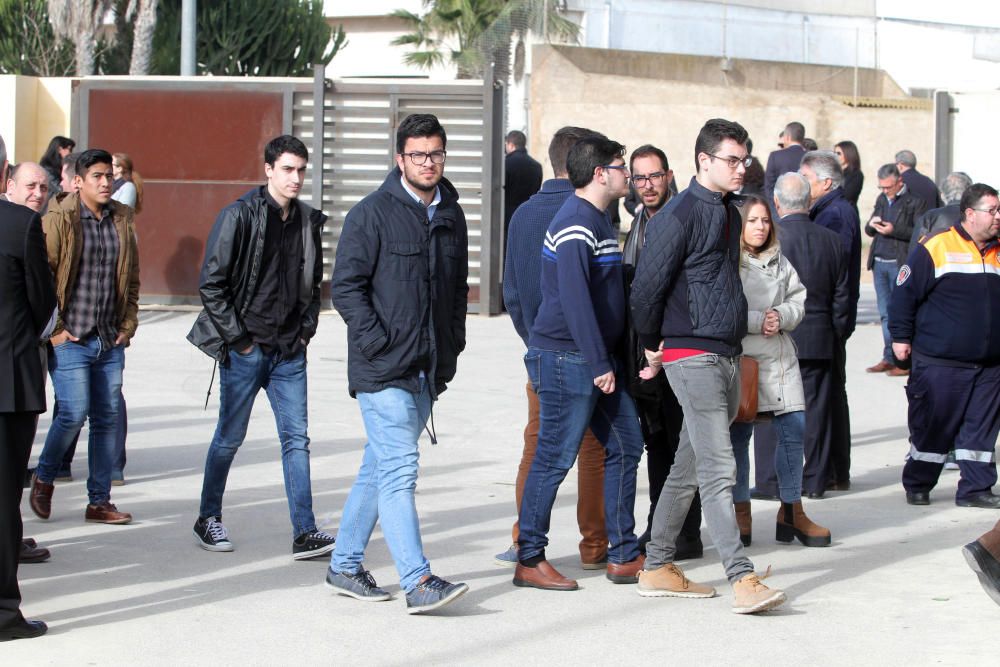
(69,163)
(973,194)
(419,125)
(517,138)
(888,170)
(286,143)
(810,144)
(796,131)
(713,133)
(91,157)
(562,141)
(647,150)
(587,155)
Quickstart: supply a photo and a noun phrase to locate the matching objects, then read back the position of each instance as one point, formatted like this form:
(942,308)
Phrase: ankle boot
(744,521)
(793,523)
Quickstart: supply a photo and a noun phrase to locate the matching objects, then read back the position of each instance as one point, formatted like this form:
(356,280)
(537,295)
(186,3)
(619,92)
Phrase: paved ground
(892,589)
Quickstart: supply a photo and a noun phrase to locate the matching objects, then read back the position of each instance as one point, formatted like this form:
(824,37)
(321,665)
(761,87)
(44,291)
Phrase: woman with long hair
(127,187)
(850,162)
(776,304)
(52,161)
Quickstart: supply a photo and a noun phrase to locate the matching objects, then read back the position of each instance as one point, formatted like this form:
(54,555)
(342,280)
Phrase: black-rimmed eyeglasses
(418,158)
(733,162)
(654,179)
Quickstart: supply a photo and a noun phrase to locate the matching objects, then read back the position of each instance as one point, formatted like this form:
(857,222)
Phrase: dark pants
(952,407)
(661,419)
(817,383)
(840,446)
(17,430)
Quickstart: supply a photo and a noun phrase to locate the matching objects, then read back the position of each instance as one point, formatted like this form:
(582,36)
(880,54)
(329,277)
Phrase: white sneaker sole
(776,600)
(315,553)
(212,547)
(357,596)
(459,592)
(504,563)
(664,593)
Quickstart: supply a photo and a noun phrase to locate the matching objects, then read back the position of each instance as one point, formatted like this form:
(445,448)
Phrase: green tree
(28,44)
(249,38)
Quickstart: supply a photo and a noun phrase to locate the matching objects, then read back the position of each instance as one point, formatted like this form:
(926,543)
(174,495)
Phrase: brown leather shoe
(897,372)
(626,573)
(543,576)
(597,563)
(881,367)
(32,554)
(40,498)
(106,513)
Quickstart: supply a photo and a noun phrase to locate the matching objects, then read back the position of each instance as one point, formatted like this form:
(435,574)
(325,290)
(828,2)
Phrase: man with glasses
(942,316)
(401,284)
(690,313)
(891,225)
(660,414)
(572,365)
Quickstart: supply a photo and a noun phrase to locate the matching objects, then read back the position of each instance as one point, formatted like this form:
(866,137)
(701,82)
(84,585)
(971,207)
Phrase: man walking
(687,300)
(573,368)
(27,298)
(522,295)
(401,284)
(260,287)
(92,252)
(942,314)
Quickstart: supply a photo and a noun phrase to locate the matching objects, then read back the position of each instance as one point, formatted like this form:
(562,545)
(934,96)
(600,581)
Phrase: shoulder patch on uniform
(904,273)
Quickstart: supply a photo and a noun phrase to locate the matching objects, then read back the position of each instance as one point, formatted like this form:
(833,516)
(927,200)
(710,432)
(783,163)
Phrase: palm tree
(78,22)
(142,40)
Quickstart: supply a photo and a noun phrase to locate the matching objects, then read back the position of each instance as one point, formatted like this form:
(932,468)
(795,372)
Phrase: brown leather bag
(748,390)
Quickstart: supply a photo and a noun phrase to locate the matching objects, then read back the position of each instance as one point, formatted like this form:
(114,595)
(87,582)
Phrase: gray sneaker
(433,593)
(360,585)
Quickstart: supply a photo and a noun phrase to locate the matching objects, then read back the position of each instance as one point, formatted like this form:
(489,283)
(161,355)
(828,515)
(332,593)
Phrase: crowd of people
(722,317)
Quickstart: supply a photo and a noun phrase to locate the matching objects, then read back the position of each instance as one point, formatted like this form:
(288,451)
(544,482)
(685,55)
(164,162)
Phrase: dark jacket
(522,178)
(781,162)
(946,303)
(834,212)
(401,284)
(27,299)
(935,220)
(818,257)
(687,288)
(909,209)
(230,273)
(922,188)
(854,180)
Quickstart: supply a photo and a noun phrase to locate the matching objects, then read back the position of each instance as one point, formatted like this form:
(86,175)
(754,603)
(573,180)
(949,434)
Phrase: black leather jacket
(231,268)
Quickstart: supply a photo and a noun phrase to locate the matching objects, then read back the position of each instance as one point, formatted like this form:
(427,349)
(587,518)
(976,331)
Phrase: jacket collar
(827,199)
(557,185)
(795,217)
(259,197)
(992,243)
(392,185)
(706,195)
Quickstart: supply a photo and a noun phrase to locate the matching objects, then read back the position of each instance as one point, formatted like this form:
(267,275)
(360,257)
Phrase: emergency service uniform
(947,306)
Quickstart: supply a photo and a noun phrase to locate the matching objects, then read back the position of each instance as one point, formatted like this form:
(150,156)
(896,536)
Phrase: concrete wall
(40,109)
(669,114)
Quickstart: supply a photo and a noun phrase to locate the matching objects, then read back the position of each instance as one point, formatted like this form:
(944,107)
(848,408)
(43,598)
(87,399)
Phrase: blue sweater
(583,292)
(522,281)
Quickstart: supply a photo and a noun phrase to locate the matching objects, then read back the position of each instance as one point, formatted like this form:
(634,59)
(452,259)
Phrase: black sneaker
(360,586)
(211,534)
(433,593)
(312,545)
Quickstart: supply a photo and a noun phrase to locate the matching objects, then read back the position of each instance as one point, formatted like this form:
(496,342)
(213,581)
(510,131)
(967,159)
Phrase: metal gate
(352,148)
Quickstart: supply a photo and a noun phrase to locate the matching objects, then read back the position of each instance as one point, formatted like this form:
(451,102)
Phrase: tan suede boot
(793,523)
(745,521)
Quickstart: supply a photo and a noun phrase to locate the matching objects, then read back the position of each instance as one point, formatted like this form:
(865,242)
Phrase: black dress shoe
(817,495)
(985,566)
(762,495)
(24,629)
(32,554)
(688,548)
(918,497)
(985,499)
(838,486)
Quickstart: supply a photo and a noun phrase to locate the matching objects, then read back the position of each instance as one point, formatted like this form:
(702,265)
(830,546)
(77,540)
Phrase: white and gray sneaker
(360,585)
(211,534)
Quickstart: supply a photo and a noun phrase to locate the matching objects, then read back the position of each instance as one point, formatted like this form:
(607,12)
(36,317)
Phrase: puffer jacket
(64,243)
(770,281)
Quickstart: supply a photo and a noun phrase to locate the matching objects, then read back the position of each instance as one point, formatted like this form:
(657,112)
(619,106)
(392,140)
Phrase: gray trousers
(708,388)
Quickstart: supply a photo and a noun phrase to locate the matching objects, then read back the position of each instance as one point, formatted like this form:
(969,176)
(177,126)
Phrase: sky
(965,12)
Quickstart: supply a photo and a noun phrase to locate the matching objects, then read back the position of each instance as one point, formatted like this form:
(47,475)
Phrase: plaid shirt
(91,309)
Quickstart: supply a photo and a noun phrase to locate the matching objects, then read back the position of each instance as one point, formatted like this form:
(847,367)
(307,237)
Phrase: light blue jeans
(787,456)
(384,488)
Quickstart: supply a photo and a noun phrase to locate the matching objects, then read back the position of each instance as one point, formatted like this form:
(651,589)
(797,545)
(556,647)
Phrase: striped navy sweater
(583,294)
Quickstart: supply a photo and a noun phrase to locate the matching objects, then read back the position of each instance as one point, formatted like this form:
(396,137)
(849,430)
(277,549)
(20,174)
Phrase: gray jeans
(708,388)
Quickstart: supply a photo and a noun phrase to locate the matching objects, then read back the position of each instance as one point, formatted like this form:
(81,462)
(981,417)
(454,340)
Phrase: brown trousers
(990,541)
(590,501)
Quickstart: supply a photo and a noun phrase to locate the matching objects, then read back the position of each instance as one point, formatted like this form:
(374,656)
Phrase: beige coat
(770,281)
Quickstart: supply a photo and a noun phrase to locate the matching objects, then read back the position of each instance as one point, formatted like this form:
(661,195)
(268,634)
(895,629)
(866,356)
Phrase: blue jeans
(884,276)
(569,403)
(87,378)
(284,380)
(121,434)
(384,488)
(787,456)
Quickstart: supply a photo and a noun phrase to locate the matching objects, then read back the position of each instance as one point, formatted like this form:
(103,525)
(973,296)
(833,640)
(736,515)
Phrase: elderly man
(942,313)
(891,225)
(919,185)
(28,185)
(943,217)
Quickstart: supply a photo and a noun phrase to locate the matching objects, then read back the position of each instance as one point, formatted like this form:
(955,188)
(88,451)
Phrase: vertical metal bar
(490,262)
(189,31)
(942,135)
(319,109)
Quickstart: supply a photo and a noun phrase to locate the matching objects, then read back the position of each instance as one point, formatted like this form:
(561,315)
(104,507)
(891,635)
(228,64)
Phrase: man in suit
(919,185)
(522,176)
(787,159)
(819,258)
(27,298)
